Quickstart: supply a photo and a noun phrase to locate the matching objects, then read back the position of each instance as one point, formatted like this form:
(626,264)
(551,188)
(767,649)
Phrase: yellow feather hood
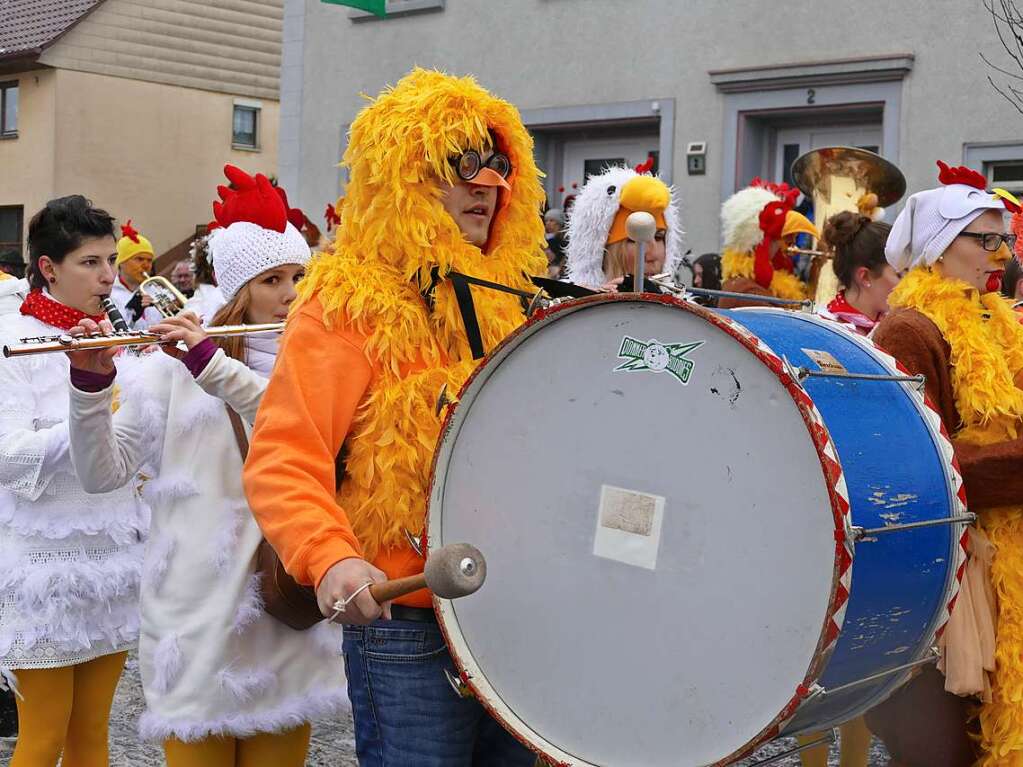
(393,228)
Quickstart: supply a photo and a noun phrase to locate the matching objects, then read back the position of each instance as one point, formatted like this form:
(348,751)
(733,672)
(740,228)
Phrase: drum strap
(461,283)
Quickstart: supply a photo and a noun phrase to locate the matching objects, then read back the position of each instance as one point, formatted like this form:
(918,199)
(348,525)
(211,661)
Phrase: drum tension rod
(860,533)
(820,692)
(827,739)
(918,381)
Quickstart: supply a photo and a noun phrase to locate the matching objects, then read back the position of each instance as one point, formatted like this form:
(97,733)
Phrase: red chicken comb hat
(295,215)
(961,175)
(647,166)
(788,194)
(250,198)
(129,231)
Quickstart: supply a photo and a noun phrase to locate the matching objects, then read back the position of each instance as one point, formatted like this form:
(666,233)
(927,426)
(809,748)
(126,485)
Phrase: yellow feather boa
(986,341)
(783,284)
(393,231)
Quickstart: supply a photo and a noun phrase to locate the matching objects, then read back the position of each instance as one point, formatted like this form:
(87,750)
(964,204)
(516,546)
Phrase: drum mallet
(452,571)
(641,228)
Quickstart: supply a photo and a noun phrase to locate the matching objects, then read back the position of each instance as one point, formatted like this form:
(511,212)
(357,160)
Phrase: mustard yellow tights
(281,749)
(66,711)
(854,740)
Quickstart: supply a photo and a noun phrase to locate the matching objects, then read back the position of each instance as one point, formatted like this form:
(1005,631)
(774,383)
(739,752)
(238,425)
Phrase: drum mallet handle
(452,571)
(641,228)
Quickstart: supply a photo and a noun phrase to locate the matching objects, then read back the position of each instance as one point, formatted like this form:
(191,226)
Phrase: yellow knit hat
(132,244)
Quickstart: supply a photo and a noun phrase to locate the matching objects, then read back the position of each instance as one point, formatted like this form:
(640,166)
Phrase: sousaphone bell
(841,178)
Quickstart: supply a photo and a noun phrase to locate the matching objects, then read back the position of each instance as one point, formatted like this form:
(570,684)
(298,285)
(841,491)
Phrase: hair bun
(841,229)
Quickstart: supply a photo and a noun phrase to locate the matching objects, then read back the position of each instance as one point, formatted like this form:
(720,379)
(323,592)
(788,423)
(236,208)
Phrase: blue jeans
(406,712)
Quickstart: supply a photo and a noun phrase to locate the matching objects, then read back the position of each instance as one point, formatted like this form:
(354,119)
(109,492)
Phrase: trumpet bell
(167,299)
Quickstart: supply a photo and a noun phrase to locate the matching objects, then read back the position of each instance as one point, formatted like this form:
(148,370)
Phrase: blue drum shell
(896,473)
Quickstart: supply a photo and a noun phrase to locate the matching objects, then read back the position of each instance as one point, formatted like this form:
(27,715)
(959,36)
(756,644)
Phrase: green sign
(379,7)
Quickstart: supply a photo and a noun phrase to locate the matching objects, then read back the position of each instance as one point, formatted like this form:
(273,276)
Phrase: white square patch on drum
(629,526)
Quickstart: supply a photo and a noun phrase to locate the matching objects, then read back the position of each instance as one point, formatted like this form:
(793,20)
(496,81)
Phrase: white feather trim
(590,223)
(167,663)
(740,218)
(158,557)
(251,606)
(327,637)
(244,685)
(223,542)
(168,488)
(289,714)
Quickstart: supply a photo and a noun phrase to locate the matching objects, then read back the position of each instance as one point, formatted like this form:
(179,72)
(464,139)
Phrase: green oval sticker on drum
(657,357)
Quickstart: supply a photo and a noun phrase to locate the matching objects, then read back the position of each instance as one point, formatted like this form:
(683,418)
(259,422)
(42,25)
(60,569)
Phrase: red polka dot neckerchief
(45,309)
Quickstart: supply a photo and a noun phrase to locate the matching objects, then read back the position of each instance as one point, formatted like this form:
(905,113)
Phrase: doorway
(791,143)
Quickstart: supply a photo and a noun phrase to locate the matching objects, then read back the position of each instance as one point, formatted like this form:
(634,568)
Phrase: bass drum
(674,574)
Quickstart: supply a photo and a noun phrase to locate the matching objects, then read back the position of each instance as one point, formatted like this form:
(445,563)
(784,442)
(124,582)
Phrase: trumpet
(167,299)
(69,343)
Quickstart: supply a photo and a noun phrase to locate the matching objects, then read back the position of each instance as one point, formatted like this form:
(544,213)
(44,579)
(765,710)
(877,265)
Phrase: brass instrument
(794,251)
(167,299)
(840,179)
(69,343)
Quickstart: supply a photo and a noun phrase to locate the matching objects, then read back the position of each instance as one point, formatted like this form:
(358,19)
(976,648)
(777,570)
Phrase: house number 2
(811,96)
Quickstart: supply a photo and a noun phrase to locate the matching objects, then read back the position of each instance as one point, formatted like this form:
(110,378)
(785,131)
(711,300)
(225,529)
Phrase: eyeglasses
(469,164)
(991,241)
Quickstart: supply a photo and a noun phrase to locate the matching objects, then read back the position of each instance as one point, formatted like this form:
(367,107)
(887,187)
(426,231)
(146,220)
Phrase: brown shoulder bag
(284,598)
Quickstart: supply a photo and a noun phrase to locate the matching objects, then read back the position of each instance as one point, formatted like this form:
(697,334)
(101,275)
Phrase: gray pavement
(332,745)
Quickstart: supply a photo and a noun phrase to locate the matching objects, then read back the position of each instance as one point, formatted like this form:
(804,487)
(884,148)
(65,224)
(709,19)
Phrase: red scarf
(848,313)
(45,309)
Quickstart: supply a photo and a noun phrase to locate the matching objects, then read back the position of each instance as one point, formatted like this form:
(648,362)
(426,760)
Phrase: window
(11,217)
(8,110)
(1005,174)
(245,127)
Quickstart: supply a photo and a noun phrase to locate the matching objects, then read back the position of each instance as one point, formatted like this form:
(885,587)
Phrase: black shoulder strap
(463,294)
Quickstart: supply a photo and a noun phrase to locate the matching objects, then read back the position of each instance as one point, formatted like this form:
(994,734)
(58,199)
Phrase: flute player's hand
(99,361)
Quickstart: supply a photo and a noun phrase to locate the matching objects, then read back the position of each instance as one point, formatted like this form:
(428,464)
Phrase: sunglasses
(991,241)
(469,164)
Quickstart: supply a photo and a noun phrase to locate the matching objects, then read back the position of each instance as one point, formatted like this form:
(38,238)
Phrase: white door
(793,142)
(586,158)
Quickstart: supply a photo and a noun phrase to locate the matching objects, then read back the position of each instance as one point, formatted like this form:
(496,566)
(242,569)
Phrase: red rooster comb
(295,215)
(961,175)
(646,167)
(333,219)
(251,199)
(787,194)
(129,231)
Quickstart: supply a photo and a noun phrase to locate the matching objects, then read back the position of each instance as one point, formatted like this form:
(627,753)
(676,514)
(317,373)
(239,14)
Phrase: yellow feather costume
(783,284)
(393,231)
(986,342)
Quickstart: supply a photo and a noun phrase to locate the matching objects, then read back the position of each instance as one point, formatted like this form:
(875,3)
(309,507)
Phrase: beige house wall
(147,151)
(229,46)
(27,162)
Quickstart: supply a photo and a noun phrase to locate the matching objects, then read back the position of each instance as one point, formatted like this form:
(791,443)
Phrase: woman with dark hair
(707,272)
(69,562)
(865,276)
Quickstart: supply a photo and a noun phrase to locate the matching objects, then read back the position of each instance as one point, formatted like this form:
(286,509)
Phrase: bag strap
(242,440)
(240,437)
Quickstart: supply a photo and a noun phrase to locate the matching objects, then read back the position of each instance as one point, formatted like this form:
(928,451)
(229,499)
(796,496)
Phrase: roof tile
(28,26)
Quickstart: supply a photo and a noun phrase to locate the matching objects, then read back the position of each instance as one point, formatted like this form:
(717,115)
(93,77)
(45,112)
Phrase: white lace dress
(70,562)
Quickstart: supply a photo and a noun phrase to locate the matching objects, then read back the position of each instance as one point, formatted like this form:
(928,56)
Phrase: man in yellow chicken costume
(442,181)
(758,224)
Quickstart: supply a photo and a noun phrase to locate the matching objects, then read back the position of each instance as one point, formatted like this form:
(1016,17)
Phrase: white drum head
(661,555)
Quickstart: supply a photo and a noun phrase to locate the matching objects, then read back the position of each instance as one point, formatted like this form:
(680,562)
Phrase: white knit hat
(932,219)
(592,217)
(245,250)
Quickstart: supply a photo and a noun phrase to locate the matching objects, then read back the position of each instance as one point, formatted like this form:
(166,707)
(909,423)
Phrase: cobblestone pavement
(333,743)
